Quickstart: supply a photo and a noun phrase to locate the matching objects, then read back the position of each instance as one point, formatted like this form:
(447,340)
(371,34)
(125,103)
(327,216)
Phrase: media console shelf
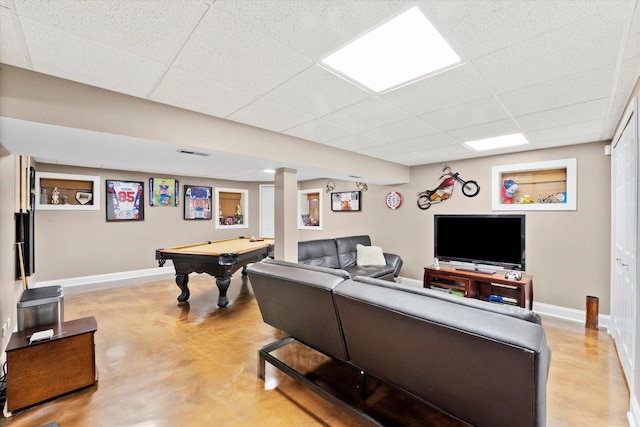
(481,286)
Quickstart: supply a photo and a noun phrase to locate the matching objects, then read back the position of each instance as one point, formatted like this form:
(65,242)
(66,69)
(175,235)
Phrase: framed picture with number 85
(125,200)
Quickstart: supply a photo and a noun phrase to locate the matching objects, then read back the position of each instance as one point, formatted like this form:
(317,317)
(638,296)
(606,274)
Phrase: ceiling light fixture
(399,51)
(496,142)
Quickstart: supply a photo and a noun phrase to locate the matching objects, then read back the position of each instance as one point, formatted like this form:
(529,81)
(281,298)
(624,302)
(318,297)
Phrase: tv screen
(496,240)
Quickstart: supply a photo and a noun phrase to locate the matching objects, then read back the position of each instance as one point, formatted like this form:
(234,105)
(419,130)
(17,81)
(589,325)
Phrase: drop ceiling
(560,72)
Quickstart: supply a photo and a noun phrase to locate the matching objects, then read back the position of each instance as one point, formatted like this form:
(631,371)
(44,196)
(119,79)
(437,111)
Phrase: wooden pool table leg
(182,280)
(223,285)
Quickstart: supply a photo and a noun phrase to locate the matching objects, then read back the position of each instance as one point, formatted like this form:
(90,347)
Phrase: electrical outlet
(6,326)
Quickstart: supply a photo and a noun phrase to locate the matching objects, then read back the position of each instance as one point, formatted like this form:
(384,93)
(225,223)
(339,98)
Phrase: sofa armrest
(395,262)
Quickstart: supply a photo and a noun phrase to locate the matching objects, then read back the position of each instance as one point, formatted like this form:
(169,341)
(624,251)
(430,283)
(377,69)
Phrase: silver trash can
(40,306)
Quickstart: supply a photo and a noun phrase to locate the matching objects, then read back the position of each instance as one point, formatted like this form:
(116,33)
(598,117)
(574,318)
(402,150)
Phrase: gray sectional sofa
(483,363)
(341,253)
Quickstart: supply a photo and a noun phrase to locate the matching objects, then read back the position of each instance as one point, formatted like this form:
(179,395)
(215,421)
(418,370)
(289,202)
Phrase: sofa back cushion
(299,302)
(347,249)
(447,354)
(320,253)
(504,309)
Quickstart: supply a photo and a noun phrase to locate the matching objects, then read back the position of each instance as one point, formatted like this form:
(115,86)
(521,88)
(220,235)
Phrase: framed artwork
(346,201)
(544,186)
(197,202)
(125,200)
(164,192)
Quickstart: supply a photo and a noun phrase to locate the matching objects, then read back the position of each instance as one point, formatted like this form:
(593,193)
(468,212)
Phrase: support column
(286,210)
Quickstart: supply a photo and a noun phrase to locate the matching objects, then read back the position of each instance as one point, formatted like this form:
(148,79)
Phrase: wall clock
(393,200)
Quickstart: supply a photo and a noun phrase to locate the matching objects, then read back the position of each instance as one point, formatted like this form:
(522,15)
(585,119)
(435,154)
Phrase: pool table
(219,258)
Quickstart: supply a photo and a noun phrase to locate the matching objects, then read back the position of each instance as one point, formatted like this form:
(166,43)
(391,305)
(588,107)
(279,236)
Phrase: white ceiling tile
(617,109)
(193,93)
(410,146)
(479,27)
(576,132)
(464,115)
(154,30)
(441,155)
(554,64)
(368,114)
(459,85)
(632,47)
(628,76)
(312,28)
(316,91)
(586,111)
(52,51)
(424,143)
(399,131)
(573,89)
(485,130)
(269,116)
(583,45)
(409,159)
(10,48)
(230,53)
(318,131)
(572,140)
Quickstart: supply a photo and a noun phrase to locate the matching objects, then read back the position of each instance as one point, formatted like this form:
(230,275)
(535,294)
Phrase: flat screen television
(481,240)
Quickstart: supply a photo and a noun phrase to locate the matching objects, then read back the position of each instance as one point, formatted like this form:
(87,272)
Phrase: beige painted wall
(10,289)
(82,243)
(568,252)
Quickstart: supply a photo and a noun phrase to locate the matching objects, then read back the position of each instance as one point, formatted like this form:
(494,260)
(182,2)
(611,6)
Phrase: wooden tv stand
(481,286)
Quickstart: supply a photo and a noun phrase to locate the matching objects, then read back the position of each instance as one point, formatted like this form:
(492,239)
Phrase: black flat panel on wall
(25,236)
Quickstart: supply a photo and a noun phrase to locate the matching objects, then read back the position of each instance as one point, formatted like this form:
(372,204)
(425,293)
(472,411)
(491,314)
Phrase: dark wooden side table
(47,369)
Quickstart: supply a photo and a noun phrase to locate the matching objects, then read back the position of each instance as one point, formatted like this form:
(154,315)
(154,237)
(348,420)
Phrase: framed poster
(125,200)
(197,202)
(345,201)
(164,192)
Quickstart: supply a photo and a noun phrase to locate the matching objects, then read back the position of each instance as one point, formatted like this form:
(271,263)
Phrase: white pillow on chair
(369,255)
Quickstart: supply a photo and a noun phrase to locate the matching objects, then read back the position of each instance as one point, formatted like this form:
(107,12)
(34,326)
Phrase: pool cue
(23,276)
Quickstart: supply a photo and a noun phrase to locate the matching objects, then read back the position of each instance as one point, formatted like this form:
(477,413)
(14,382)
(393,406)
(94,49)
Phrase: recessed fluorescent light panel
(497,142)
(401,50)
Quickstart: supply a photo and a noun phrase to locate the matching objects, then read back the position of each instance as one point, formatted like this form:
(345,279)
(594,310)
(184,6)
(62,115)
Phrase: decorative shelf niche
(546,186)
(310,209)
(74,192)
(232,206)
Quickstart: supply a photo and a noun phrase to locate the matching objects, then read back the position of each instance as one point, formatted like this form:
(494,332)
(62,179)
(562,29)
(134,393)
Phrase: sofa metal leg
(264,352)
(264,356)
(363,385)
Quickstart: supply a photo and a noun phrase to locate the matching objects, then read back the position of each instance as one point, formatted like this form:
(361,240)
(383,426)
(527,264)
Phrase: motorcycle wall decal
(445,190)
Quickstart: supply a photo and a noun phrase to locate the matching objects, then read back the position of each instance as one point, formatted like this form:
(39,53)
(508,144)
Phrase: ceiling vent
(193,153)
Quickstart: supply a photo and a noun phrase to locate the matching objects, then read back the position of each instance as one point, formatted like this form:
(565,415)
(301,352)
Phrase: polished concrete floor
(162,363)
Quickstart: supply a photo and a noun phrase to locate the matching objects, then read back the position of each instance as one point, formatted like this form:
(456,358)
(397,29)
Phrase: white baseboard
(146,275)
(111,279)
(542,308)
(141,276)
